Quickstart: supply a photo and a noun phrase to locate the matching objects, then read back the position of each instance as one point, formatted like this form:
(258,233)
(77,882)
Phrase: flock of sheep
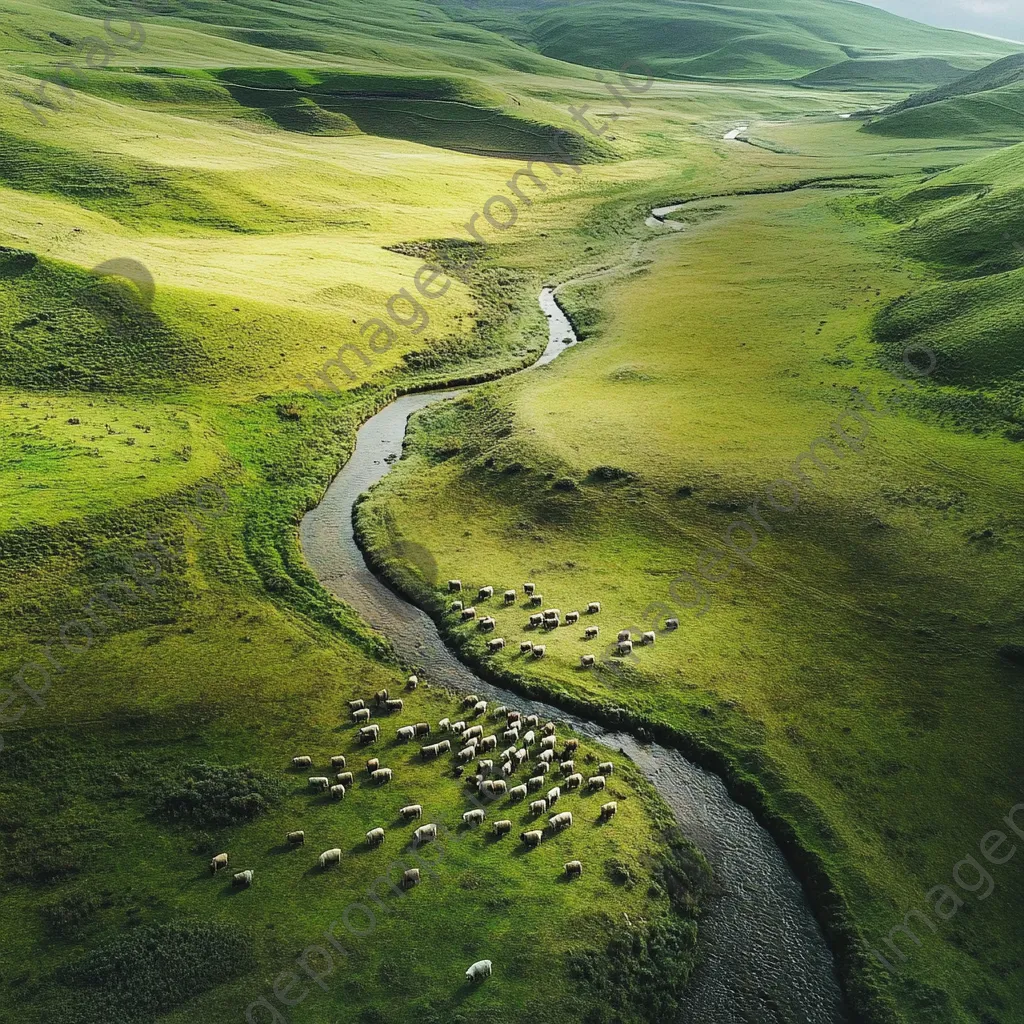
(490,780)
(550,618)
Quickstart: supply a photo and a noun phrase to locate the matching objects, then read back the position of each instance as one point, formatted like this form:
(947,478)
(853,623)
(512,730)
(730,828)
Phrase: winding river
(764,958)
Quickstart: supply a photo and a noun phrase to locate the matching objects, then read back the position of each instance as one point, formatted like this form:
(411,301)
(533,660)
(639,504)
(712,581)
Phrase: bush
(67,914)
(565,484)
(608,474)
(210,795)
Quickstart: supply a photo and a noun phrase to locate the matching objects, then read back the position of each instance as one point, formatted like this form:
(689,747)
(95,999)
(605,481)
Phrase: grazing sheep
(529,588)
(425,833)
(458,727)
(380,696)
(454,586)
(395,705)
(495,645)
(536,620)
(520,756)
(355,705)
(320,782)
(593,607)
(485,766)
(421,728)
(473,732)
(218,862)
(586,661)
(499,711)
(372,765)
(474,817)
(517,793)
(538,806)
(551,623)
(532,720)
(609,810)
(510,735)
(553,794)
(548,742)
(605,768)
(375,837)
(647,637)
(484,592)
(303,761)
(468,613)
(513,716)
(591,632)
(671,623)
(571,617)
(405,733)
(510,597)
(369,733)
(444,746)
(295,838)
(503,827)
(478,971)
(542,768)
(626,647)
(445,725)
(345,778)
(410,877)
(412,682)
(624,634)
(552,613)
(549,728)
(596,782)
(338,791)
(338,761)
(525,647)
(532,838)
(466,754)
(242,879)
(329,857)
(499,786)
(456,606)
(507,753)
(546,757)
(574,781)
(529,738)
(411,812)
(484,787)
(534,783)
(362,715)
(561,821)
(469,700)
(536,599)
(382,775)
(506,769)
(486,624)
(571,745)
(489,742)
(567,767)
(538,650)
(430,751)
(574,869)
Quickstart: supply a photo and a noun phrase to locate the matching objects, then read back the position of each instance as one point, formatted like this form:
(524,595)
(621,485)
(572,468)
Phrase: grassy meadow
(281,175)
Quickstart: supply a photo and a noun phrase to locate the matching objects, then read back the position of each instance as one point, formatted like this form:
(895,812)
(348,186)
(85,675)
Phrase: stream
(764,959)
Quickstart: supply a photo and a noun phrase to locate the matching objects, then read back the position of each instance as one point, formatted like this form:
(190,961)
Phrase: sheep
(380,696)
(532,838)
(218,862)
(538,650)
(338,791)
(489,742)
(561,821)
(375,837)
(525,647)
(484,592)
(534,783)
(551,623)
(542,768)
(520,756)
(499,711)
(626,647)
(411,812)
(456,606)
(574,781)
(302,761)
(596,782)
(553,794)
(485,767)
(529,738)
(605,768)
(571,618)
(503,827)
(395,705)
(574,869)
(372,765)
(548,742)
(529,588)
(473,732)
(548,729)
(671,623)
(430,751)
(425,833)
(536,600)
(593,607)
(624,634)
(552,613)
(405,733)
(362,715)
(586,661)
(567,767)
(422,728)
(647,637)
(481,705)
(445,725)
(466,754)
(329,857)
(486,624)
(484,787)
(355,705)
(470,699)
(517,793)
(506,769)
(478,971)
(458,727)
(499,786)
(513,716)
(571,745)
(474,817)
(510,597)
(609,810)
(338,761)
(454,586)
(510,735)
(444,746)
(532,720)
(382,775)
(412,682)
(345,778)
(507,753)
(538,806)
(369,733)
(467,614)
(242,879)
(296,838)
(536,620)
(591,632)
(320,782)
(410,877)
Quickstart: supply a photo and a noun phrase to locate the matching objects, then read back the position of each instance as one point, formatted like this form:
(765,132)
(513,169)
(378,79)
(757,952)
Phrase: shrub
(565,484)
(210,795)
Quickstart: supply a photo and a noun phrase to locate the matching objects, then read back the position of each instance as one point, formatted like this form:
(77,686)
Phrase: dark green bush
(210,795)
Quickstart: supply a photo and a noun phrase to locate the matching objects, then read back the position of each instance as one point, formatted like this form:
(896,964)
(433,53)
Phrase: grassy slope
(854,665)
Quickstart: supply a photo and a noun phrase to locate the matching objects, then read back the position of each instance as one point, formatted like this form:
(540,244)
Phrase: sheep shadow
(229,890)
(282,848)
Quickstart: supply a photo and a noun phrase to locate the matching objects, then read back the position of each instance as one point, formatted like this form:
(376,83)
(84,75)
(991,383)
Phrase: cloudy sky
(993,17)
